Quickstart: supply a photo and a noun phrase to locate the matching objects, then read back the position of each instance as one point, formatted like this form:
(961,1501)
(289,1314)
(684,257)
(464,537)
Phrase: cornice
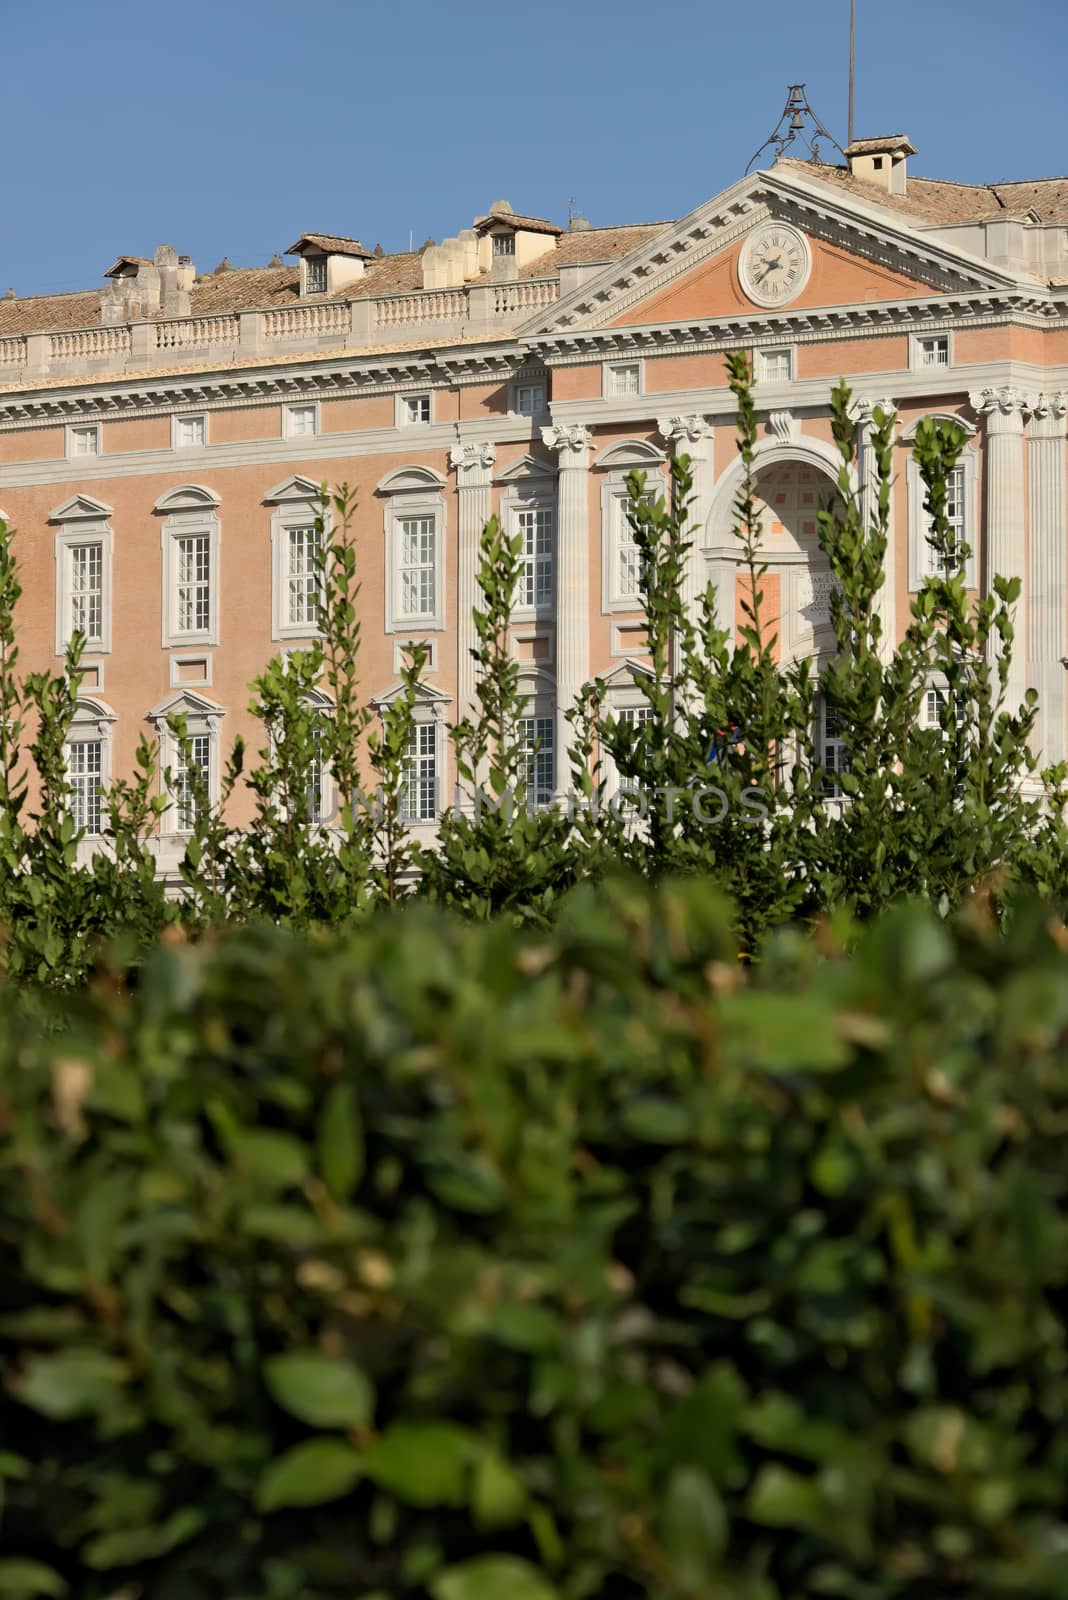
(237,388)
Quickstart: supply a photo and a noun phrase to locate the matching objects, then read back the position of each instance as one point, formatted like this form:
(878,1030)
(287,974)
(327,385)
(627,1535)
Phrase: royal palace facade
(162,441)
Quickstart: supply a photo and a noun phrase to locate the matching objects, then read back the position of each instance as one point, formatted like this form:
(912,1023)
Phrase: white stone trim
(613,500)
(301,403)
(529,494)
(429,710)
(80,426)
(177,418)
(85,530)
(608,367)
(760,355)
(918,548)
(203,717)
(535,380)
(401,660)
(621,642)
(296,505)
(178,525)
(400,408)
(92,723)
(400,505)
(204,658)
(522,635)
(916,340)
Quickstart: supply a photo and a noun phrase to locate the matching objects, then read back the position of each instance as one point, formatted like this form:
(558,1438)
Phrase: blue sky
(230,129)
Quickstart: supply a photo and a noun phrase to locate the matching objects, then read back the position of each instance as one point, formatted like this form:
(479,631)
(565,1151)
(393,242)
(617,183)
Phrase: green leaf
(320,1389)
(340,1141)
(276,1158)
(693,1525)
(309,1474)
(127,1546)
(493,1578)
(780,1498)
(73,1383)
(19,1575)
(498,1496)
(422,1463)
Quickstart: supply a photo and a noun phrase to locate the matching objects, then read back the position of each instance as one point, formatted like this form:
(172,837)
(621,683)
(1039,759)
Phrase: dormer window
(504,244)
(315,267)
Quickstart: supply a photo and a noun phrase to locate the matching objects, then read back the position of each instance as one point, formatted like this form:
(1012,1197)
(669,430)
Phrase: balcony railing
(333,325)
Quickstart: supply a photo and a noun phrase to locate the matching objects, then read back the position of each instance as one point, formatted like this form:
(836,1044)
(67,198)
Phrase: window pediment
(630,453)
(186,703)
(624,675)
(296,490)
(189,497)
(528,469)
(427,698)
(409,480)
(939,416)
(80,508)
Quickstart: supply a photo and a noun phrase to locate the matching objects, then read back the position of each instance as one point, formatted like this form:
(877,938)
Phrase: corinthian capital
(684,430)
(1003,406)
(466,457)
(568,438)
(863,411)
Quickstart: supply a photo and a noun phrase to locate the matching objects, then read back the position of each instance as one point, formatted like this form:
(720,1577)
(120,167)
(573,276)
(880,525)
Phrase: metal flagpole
(852,45)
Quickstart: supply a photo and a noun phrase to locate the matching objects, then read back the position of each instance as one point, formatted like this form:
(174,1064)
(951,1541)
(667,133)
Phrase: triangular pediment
(292,489)
(185,702)
(859,253)
(80,507)
(425,695)
(625,674)
(526,469)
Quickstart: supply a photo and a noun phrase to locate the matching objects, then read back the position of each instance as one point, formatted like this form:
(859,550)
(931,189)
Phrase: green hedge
(447,1260)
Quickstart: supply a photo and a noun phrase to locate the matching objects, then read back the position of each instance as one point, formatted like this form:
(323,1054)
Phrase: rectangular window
(628,555)
(936,564)
(504,244)
(936,699)
(535,524)
(416,409)
(530,399)
(190,433)
(301,422)
(419,797)
(635,716)
(775,366)
(84,439)
(87,591)
(536,738)
(315,269)
(934,352)
(84,770)
(304,575)
(625,378)
(189,778)
(192,611)
(834,756)
(316,780)
(417,566)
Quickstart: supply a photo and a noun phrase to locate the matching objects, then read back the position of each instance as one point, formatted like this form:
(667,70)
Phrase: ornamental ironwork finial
(800,124)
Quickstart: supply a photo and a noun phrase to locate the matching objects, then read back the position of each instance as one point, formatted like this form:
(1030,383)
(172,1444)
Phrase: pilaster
(1003,410)
(863,412)
(572,445)
(474,466)
(1046,574)
(694,436)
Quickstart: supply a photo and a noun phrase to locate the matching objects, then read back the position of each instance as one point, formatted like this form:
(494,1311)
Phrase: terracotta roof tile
(336,244)
(527,224)
(50,313)
(940,200)
(885,141)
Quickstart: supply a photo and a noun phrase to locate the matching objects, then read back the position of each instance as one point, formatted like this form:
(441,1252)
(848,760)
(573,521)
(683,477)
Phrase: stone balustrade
(334,325)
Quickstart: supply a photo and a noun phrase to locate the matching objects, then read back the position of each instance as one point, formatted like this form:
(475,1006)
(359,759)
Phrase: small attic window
(877,163)
(504,244)
(316,274)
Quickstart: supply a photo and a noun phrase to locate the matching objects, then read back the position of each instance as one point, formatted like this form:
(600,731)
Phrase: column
(1048,516)
(693,436)
(863,412)
(1005,547)
(572,444)
(474,467)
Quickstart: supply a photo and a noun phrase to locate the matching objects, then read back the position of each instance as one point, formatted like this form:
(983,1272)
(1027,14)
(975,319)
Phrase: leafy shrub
(451,1260)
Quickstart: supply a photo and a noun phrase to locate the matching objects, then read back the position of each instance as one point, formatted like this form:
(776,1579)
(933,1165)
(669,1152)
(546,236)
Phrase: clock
(774,264)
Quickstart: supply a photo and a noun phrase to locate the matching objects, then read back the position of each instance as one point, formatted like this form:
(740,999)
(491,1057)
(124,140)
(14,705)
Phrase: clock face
(774,264)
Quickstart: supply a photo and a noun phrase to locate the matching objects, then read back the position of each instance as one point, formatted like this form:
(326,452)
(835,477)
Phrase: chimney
(882,162)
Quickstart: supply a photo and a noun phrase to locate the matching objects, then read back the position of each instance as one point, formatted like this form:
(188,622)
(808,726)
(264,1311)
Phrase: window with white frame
(536,742)
(83,439)
(623,378)
(302,421)
(933,351)
(936,706)
(635,716)
(315,274)
(417,565)
(504,244)
(833,750)
(534,523)
(302,577)
(317,782)
(775,366)
(190,780)
(190,540)
(190,433)
(530,399)
(414,409)
(85,776)
(948,563)
(419,792)
(621,556)
(961,513)
(83,575)
(415,554)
